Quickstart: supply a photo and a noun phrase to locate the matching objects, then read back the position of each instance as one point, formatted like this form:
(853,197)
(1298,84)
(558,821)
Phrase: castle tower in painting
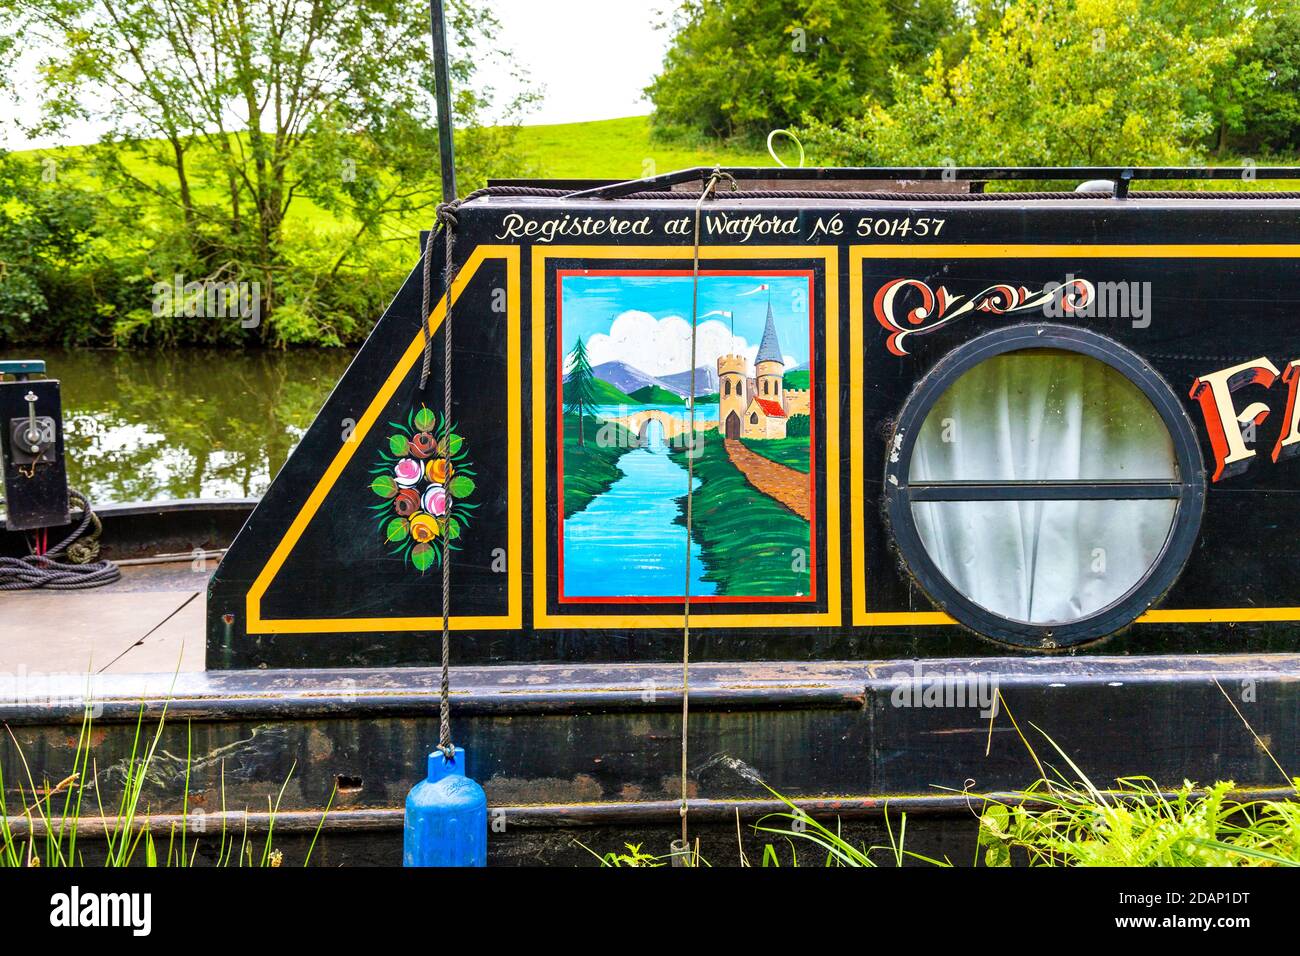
(753,406)
(732,399)
(769,365)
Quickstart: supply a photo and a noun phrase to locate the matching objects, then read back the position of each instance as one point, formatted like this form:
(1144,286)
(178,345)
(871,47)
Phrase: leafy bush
(1076,82)
(1067,821)
(744,67)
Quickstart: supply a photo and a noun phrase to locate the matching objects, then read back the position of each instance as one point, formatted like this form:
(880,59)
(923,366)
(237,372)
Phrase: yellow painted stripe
(857,318)
(513,617)
(542,618)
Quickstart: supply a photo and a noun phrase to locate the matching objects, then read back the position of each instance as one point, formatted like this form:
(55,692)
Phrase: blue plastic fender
(446,817)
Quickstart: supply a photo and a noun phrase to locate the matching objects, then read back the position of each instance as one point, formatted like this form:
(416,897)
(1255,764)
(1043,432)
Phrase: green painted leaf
(397,530)
(424,420)
(456,443)
(461,486)
(384,486)
(397,444)
(453,529)
(423,556)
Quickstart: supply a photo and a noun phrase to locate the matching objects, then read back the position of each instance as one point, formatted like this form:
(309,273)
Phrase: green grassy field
(749,543)
(602,149)
(619,149)
(791,452)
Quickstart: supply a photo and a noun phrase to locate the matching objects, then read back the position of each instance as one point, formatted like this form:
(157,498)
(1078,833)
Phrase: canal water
(184,424)
(703,413)
(627,541)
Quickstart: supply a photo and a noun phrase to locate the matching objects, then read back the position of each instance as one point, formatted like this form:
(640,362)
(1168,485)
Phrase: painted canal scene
(880,451)
(635,411)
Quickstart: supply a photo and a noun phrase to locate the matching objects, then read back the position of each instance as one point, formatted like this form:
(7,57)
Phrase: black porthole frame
(1188,489)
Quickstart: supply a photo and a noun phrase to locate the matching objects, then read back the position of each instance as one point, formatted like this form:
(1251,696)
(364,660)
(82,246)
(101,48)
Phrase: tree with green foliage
(580,388)
(1266,87)
(223,114)
(61,267)
(745,67)
(1075,82)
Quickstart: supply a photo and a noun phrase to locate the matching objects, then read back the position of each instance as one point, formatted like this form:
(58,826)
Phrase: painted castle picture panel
(641,415)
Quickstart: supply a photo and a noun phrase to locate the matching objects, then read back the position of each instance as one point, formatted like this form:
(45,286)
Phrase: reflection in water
(148,425)
(628,541)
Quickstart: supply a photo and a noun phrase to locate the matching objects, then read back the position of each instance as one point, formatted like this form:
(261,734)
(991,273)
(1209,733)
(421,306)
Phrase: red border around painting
(811,597)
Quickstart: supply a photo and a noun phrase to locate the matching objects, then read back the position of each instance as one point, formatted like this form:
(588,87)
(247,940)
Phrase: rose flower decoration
(424,481)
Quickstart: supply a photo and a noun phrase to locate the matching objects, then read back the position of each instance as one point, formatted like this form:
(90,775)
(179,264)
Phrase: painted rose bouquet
(424,479)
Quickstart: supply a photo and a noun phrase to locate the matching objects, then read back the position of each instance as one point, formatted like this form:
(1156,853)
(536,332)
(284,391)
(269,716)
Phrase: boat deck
(150,621)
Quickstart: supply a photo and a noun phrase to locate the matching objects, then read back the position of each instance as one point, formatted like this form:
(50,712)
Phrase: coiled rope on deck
(43,570)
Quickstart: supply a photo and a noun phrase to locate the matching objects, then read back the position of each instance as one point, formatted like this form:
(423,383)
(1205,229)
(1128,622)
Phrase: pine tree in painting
(580,389)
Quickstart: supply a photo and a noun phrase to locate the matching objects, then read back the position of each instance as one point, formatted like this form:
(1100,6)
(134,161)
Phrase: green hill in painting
(657,395)
(795,379)
(605,394)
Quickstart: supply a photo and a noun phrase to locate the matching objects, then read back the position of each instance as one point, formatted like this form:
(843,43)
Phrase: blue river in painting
(703,413)
(626,542)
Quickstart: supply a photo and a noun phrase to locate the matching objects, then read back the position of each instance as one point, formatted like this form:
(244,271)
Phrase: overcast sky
(594,57)
(591,57)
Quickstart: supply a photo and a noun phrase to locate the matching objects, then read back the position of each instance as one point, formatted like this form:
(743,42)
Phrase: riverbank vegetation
(113,802)
(1063,819)
(749,543)
(1026,82)
(232,170)
(591,467)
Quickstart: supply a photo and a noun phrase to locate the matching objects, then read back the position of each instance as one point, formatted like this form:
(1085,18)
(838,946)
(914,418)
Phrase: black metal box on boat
(905,425)
(31,448)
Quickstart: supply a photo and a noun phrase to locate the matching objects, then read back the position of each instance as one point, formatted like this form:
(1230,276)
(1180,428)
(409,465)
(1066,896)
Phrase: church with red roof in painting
(758,405)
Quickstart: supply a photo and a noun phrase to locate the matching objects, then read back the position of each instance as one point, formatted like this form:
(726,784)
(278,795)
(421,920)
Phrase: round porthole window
(1044,485)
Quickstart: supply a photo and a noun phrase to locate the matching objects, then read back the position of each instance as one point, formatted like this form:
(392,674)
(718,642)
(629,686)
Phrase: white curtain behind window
(1035,415)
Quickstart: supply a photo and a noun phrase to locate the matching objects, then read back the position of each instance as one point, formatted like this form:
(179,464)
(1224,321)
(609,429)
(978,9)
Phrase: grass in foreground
(54,813)
(1063,819)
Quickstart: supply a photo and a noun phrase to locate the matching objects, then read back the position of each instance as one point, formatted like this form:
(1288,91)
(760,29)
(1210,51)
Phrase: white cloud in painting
(663,346)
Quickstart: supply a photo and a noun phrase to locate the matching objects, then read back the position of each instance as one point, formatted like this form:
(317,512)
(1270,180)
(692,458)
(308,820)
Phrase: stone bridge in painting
(638,422)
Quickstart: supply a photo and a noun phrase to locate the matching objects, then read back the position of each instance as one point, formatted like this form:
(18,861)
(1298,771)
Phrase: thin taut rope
(447,216)
(709,187)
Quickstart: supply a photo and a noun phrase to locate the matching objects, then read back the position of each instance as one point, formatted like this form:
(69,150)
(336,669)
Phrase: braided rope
(446,215)
(43,571)
(900,196)
(887,195)
(710,188)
